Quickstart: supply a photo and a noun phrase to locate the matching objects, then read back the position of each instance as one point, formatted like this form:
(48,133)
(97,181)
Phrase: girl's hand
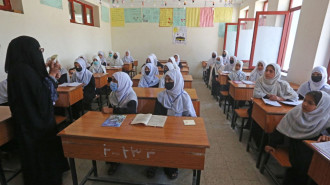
(323,139)
(107,110)
(269,149)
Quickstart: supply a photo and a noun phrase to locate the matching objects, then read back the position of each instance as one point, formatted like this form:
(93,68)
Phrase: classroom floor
(227,162)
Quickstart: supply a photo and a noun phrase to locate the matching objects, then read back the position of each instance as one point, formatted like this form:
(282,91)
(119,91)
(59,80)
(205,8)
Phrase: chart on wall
(105,14)
(52,3)
(150,15)
(133,15)
(179,35)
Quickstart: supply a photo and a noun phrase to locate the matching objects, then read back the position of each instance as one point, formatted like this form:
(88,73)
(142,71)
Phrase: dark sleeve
(301,97)
(131,108)
(63,79)
(276,138)
(213,73)
(155,86)
(180,65)
(89,90)
(160,109)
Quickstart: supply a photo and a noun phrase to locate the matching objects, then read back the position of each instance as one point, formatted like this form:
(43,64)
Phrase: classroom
(212,92)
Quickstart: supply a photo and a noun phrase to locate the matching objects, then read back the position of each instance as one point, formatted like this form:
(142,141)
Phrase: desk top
(309,144)
(185,77)
(294,86)
(142,92)
(242,85)
(173,133)
(5,113)
(165,61)
(68,89)
(272,109)
(113,67)
(99,75)
(226,74)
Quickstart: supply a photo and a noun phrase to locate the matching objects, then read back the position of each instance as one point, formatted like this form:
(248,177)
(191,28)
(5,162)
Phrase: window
(81,13)
(5,5)
(246,13)
(265,8)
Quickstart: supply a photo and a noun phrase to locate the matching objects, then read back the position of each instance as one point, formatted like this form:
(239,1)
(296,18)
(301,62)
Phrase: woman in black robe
(31,94)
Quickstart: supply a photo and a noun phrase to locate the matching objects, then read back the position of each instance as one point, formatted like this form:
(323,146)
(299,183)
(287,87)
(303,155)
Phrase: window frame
(6,6)
(265,7)
(239,23)
(84,13)
(225,39)
(246,13)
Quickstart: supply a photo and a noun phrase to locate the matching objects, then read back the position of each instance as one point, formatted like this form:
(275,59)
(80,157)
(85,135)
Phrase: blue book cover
(114,121)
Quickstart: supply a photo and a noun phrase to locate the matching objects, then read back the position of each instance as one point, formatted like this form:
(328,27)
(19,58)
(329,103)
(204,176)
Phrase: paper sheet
(294,103)
(133,15)
(73,84)
(192,17)
(248,82)
(223,14)
(272,103)
(157,121)
(117,17)
(206,17)
(166,17)
(179,17)
(105,14)
(189,122)
(323,147)
(179,35)
(150,15)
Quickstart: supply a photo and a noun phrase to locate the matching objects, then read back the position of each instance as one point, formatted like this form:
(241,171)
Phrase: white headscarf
(218,66)
(176,67)
(154,62)
(177,101)
(226,58)
(125,92)
(97,68)
(177,62)
(62,69)
(162,80)
(151,79)
(129,58)
(84,76)
(274,86)
(255,74)
(3,92)
(116,62)
(300,125)
(211,61)
(103,60)
(155,58)
(237,75)
(229,66)
(315,86)
(85,59)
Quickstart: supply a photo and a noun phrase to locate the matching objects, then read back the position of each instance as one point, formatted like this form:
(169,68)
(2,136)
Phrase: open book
(73,84)
(149,120)
(294,103)
(248,82)
(323,148)
(270,102)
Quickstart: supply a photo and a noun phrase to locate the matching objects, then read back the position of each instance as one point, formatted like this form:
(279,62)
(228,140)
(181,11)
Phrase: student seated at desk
(97,67)
(109,57)
(258,71)
(306,121)
(151,60)
(122,100)
(62,76)
(158,64)
(149,78)
(270,86)
(237,74)
(128,59)
(116,61)
(177,60)
(103,60)
(167,67)
(230,66)
(210,62)
(175,65)
(84,76)
(3,93)
(225,57)
(86,61)
(173,101)
(213,82)
(318,82)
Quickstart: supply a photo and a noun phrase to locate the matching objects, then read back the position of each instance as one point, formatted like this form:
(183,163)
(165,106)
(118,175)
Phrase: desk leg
(250,135)
(70,113)
(2,175)
(95,168)
(261,150)
(198,180)
(233,115)
(73,171)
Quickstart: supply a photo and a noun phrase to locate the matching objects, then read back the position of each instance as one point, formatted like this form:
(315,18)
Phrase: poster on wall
(105,14)
(133,15)
(179,17)
(150,15)
(179,35)
(166,17)
(117,17)
(52,3)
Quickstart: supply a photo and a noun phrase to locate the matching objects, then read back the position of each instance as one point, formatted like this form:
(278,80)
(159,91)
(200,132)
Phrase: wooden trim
(7,5)
(264,7)
(84,13)
(246,13)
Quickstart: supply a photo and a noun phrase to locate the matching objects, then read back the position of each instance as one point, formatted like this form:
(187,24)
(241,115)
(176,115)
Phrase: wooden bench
(241,113)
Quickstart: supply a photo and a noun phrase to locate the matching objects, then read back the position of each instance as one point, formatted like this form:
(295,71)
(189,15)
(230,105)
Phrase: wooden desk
(111,70)
(246,69)
(174,146)
(223,77)
(319,169)
(184,70)
(67,96)
(187,80)
(183,62)
(6,130)
(294,86)
(147,99)
(101,79)
(267,117)
(241,92)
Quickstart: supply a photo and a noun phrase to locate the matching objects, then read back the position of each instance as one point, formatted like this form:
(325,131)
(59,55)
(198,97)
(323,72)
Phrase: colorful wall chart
(192,17)
(105,13)
(150,15)
(179,17)
(52,3)
(166,17)
(223,14)
(206,17)
(117,17)
(179,35)
(221,31)
(133,15)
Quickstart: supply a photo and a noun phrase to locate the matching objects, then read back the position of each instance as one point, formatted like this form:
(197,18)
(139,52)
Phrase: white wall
(145,38)
(52,28)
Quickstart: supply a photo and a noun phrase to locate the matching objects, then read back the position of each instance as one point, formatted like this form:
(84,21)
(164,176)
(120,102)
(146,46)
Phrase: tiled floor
(227,162)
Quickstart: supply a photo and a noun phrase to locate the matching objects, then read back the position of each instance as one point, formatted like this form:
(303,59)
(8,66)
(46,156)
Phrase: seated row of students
(173,101)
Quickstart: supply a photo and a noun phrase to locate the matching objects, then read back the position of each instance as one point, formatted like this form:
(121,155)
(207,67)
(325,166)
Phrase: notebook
(272,103)
(149,120)
(294,103)
(114,121)
(323,147)
(189,122)
(248,82)
(73,84)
